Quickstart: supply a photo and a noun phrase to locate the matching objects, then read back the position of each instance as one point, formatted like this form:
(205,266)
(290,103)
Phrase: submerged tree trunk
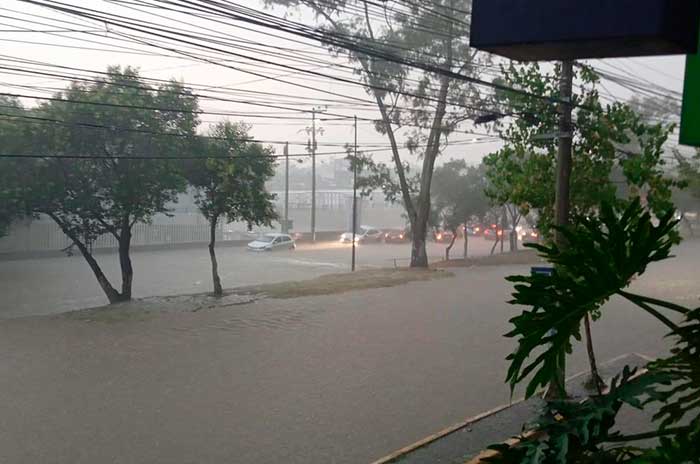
(419,254)
(449,247)
(125,260)
(218,291)
(513,241)
(466,243)
(495,244)
(111,293)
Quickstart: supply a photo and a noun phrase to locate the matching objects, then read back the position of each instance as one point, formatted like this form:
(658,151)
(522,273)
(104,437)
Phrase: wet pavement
(332,379)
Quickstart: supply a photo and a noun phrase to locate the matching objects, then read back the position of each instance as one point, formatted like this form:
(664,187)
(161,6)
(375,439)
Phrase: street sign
(538,30)
(690,115)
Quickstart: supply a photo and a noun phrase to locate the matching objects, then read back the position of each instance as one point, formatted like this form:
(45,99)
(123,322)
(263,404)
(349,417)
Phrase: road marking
(303,262)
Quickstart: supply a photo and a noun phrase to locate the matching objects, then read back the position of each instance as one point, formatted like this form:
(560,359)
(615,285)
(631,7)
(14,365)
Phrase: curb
(393,457)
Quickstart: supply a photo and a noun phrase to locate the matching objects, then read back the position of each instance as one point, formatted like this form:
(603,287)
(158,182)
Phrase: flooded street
(332,379)
(51,285)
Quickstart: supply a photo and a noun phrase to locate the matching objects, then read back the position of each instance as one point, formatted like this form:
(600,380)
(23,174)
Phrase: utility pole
(285,226)
(354,198)
(313,175)
(563,186)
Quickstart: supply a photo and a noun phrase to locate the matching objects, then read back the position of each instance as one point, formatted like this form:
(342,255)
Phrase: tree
(654,109)
(435,104)
(459,196)
(108,161)
(229,182)
(607,140)
(12,137)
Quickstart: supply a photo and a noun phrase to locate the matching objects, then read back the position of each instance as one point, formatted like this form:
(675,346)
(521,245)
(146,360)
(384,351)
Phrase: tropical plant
(229,182)
(604,253)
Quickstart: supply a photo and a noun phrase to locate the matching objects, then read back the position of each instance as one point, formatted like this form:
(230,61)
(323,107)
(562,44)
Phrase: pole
(285,227)
(313,175)
(354,198)
(562,206)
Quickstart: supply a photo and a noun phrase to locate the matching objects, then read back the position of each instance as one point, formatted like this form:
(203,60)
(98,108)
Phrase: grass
(146,308)
(341,283)
(110,314)
(514,258)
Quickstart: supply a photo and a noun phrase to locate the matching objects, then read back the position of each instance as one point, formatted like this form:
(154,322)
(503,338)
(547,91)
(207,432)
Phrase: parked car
(364,234)
(269,242)
(397,236)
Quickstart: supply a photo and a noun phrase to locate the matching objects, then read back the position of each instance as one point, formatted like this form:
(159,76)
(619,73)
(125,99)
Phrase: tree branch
(654,301)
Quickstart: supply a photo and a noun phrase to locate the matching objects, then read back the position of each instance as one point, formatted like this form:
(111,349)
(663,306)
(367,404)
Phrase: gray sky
(102,46)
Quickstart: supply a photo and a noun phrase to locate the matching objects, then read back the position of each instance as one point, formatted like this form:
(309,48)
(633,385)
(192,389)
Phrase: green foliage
(602,254)
(689,173)
(573,432)
(458,193)
(13,136)
(606,140)
(233,188)
(107,164)
(97,195)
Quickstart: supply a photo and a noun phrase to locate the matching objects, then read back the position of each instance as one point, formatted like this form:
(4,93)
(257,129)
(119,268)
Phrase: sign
(539,30)
(690,115)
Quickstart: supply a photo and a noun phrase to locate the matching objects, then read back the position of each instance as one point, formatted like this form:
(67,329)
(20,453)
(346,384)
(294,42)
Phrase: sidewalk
(462,442)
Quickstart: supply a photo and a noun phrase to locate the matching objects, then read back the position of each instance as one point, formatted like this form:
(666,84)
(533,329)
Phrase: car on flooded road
(269,242)
(363,235)
(397,236)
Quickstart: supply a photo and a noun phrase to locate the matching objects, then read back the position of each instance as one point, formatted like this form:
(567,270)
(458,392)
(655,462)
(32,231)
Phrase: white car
(270,242)
(364,234)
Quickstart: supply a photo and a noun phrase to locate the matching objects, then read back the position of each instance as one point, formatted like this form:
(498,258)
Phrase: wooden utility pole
(557,387)
(563,207)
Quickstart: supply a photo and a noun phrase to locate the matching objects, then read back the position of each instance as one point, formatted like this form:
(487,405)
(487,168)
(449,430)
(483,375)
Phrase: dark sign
(537,30)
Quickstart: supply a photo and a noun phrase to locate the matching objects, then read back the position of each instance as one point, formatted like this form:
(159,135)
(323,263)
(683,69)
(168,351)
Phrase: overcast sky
(95,46)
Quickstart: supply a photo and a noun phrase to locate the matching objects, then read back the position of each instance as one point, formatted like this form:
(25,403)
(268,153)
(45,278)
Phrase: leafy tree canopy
(106,164)
(230,181)
(606,140)
(458,193)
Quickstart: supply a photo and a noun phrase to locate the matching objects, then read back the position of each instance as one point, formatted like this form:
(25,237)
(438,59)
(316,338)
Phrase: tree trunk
(218,291)
(112,294)
(466,243)
(419,255)
(449,247)
(495,244)
(595,377)
(125,260)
